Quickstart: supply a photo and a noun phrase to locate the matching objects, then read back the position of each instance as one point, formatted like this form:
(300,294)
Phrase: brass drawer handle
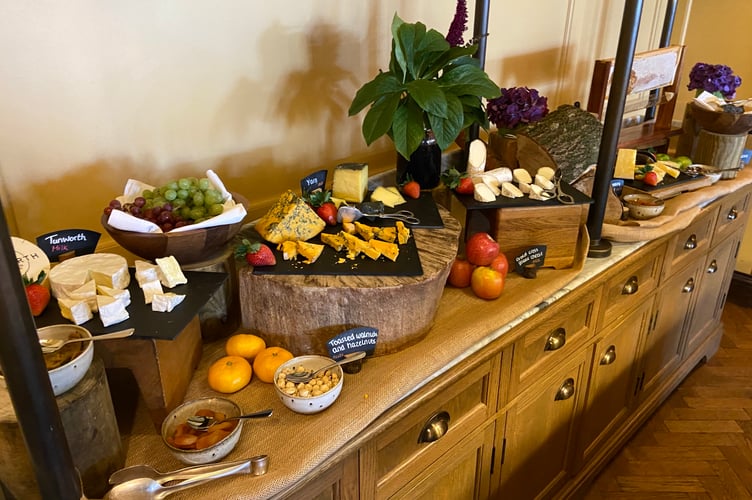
(689,286)
(733,214)
(556,340)
(609,356)
(631,286)
(566,390)
(435,427)
(691,243)
(713,267)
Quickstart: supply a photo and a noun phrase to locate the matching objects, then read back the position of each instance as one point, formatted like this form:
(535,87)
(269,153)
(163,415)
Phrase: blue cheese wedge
(170,273)
(104,268)
(77,311)
(150,289)
(123,296)
(166,302)
(290,218)
(111,310)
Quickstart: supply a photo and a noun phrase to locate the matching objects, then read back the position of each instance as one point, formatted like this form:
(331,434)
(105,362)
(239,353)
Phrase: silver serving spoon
(147,471)
(301,377)
(145,488)
(52,345)
(202,423)
(346,213)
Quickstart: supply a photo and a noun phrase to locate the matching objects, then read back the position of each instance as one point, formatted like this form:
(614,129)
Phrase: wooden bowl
(721,123)
(187,247)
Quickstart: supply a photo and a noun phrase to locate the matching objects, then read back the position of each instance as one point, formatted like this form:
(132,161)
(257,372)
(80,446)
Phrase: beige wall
(96,91)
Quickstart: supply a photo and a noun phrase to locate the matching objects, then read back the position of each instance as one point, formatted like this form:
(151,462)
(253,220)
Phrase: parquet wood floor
(698,445)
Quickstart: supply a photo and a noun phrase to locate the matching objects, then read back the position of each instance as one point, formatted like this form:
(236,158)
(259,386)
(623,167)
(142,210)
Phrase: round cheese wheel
(106,269)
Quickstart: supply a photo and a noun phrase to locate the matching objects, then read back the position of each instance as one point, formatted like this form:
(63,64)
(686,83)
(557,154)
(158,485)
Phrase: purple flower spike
(458,26)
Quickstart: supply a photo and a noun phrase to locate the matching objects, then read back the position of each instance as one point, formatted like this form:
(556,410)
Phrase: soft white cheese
(483,193)
(170,273)
(123,296)
(150,289)
(476,157)
(522,175)
(510,190)
(86,292)
(166,302)
(544,183)
(111,310)
(77,311)
(104,268)
(145,272)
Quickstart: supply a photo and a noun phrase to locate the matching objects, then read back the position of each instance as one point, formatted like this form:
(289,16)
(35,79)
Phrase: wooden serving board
(302,312)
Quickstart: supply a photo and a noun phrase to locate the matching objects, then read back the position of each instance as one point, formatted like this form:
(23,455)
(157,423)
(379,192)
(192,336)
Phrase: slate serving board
(149,324)
(668,187)
(503,202)
(424,208)
(328,263)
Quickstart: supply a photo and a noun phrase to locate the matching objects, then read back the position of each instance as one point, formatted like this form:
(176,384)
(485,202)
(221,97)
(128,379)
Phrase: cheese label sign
(313,182)
(68,243)
(528,262)
(362,338)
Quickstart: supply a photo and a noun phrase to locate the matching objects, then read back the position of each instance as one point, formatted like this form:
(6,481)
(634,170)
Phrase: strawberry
(321,202)
(255,254)
(651,178)
(37,294)
(459,182)
(411,189)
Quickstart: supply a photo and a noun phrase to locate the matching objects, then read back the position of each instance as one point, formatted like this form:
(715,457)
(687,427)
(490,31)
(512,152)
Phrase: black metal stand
(617,97)
(480,36)
(668,27)
(29,385)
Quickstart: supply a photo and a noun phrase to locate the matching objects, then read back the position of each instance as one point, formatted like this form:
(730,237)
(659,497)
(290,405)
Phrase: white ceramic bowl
(65,377)
(643,206)
(212,453)
(313,404)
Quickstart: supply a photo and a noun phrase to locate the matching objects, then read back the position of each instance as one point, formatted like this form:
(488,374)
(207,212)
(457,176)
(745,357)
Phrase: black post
(617,97)
(668,27)
(29,385)
(480,36)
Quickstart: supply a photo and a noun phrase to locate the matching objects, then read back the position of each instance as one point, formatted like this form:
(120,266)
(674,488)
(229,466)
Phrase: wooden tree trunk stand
(301,313)
(91,430)
(719,150)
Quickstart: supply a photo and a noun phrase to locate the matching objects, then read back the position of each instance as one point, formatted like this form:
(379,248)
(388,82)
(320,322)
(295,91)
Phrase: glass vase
(424,165)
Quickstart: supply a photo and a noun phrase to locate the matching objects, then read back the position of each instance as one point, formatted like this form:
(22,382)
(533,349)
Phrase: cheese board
(669,187)
(423,208)
(471,203)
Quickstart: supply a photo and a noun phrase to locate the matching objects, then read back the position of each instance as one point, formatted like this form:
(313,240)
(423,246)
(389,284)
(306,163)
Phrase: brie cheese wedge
(476,157)
(483,193)
(510,190)
(522,175)
(166,302)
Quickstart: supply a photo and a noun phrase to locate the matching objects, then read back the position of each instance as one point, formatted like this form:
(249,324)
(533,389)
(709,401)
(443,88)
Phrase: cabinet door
(339,482)
(612,381)
(661,351)
(540,427)
(462,474)
(711,295)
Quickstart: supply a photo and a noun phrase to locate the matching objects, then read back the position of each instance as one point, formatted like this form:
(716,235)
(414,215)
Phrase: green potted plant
(430,94)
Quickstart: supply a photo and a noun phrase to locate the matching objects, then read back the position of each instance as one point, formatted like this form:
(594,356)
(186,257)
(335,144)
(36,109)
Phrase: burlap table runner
(680,211)
(298,444)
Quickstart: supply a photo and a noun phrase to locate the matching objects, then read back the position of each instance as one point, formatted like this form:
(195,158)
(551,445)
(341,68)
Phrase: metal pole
(668,28)
(29,384)
(617,97)
(480,35)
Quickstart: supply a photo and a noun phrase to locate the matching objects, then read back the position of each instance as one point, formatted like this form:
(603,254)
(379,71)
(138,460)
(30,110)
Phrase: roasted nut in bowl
(194,447)
(643,206)
(188,247)
(314,396)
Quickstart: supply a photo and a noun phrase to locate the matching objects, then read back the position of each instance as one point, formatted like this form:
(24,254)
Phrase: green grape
(204,184)
(148,194)
(197,213)
(158,201)
(184,183)
(198,199)
(173,185)
(185,212)
(183,194)
(215,209)
(178,203)
(212,197)
(170,194)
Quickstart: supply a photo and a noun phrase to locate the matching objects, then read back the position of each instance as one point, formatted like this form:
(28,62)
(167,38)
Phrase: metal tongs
(151,485)
(373,209)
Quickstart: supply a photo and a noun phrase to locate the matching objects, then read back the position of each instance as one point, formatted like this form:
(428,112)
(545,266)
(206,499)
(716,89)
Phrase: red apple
(460,273)
(501,264)
(486,283)
(481,249)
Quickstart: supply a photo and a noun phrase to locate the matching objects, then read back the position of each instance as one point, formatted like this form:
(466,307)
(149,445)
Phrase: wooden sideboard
(540,410)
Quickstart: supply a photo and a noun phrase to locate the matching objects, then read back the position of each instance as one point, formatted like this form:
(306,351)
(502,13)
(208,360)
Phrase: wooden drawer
(630,286)
(553,335)
(733,214)
(391,459)
(690,242)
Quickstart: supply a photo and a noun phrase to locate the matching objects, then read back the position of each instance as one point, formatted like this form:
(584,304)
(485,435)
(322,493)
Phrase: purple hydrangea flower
(458,26)
(714,78)
(515,107)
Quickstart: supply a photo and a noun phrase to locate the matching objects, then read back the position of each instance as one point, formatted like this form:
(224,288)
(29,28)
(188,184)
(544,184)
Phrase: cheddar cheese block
(625,164)
(350,181)
(389,196)
(290,218)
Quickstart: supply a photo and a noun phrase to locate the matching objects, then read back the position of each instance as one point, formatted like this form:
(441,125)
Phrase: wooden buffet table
(492,370)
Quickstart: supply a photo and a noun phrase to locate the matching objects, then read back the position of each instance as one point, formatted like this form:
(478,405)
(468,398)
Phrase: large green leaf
(378,120)
(431,49)
(408,129)
(446,129)
(469,80)
(429,96)
(383,84)
(398,54)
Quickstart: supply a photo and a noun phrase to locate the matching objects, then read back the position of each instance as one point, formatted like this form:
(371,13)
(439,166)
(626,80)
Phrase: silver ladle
(303,376)
(52,345)
(202,423)
(145,488)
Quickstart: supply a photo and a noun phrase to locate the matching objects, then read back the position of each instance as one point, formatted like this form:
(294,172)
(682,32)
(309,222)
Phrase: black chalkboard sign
(362,338)
(68,242)
(530,259)
(313,182)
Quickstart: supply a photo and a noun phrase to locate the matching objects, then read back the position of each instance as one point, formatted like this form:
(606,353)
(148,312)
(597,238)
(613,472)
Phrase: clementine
(229,374)
(245,345)
(267,362)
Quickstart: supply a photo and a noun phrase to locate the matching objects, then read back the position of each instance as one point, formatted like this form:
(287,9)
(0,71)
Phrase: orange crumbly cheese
(388,250)
(290,218)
